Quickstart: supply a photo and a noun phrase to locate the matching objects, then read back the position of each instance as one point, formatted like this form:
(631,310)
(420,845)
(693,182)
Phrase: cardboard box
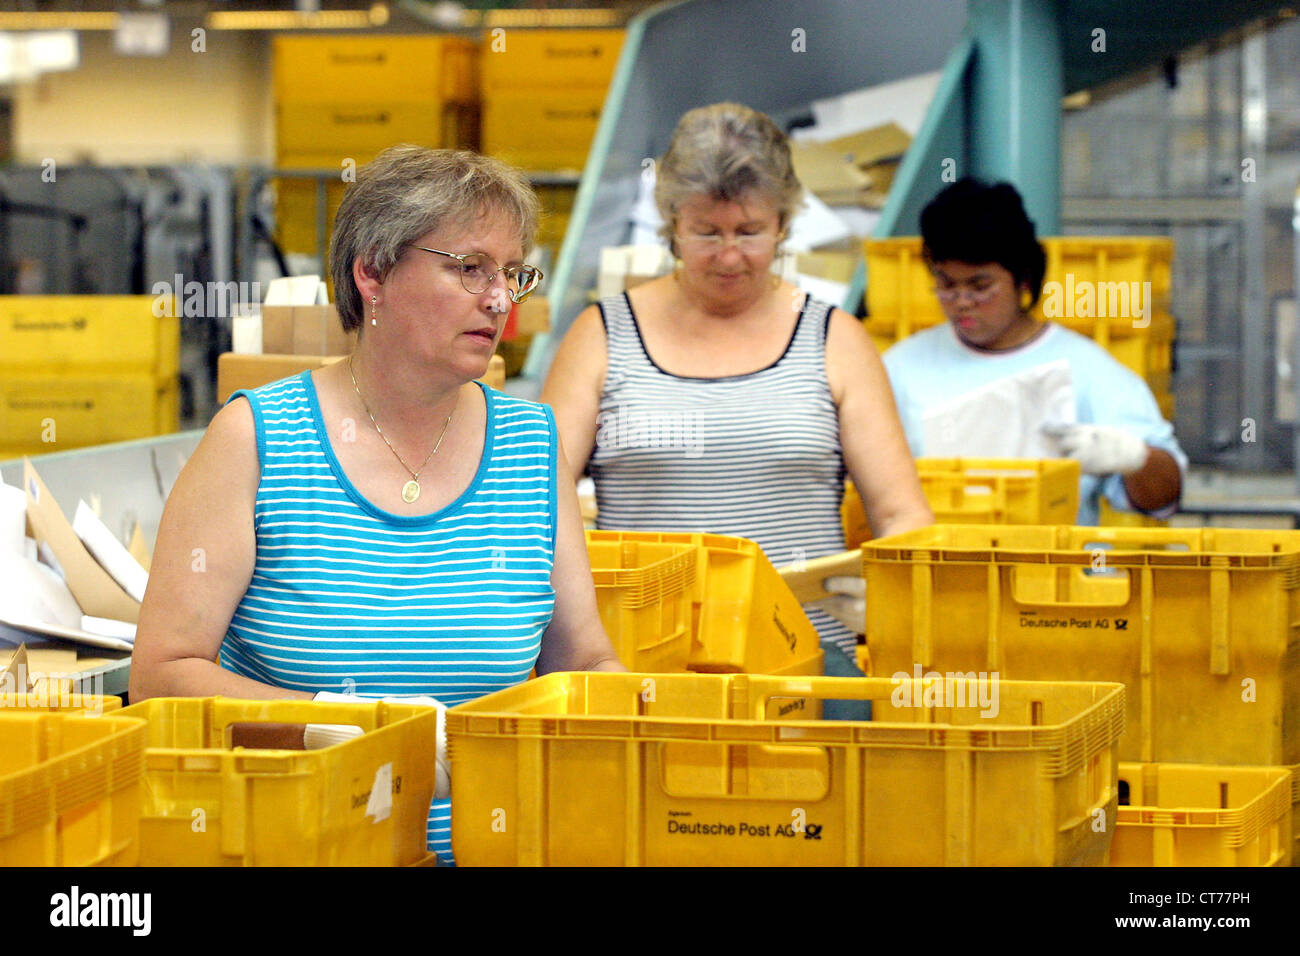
(253,371)
(304,330)
(853,170)
(97,594)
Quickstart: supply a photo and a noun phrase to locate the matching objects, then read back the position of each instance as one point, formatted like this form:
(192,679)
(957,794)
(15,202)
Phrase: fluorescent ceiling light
(376,16)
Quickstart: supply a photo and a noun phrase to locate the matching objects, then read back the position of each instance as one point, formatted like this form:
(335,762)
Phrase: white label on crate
(381,794)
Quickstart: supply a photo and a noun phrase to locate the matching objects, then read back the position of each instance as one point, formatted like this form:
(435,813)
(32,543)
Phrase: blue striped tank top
(757,456)
(347,597)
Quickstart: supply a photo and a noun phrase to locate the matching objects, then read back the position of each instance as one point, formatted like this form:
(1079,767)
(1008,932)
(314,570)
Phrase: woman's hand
(202,563)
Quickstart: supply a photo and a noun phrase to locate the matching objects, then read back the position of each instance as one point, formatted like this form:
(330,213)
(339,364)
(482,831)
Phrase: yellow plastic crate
(701,772)
(1200,623)
(356,131)
(539,130)
(1167,405)
(42,413)
(54,700)
(364,802)
(528,61)
(69,789)
(1103,260)
(374,69)
(901,301)
(1110,518)
(47,334)
(745,618)
(983,491)
(1191,815)
(900,296)
(295,212)
(643,595)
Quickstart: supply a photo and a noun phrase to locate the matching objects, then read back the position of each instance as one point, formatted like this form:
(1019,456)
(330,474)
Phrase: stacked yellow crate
(542,94)
(1096,286)
(85,370)
(341,100)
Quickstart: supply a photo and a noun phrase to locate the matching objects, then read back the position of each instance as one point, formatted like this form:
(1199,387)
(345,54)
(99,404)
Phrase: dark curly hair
(974,222)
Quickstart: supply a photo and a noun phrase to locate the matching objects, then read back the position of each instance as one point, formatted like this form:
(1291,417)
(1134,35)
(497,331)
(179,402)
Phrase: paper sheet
(95,590)
(1004,418)
(109,552)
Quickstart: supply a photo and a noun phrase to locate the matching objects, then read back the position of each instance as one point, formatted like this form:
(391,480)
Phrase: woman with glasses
(988,271)
(721,399)
(387,525)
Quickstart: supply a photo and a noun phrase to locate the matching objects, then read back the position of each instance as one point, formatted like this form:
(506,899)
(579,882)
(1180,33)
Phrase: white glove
(849,603)
(1100,449)
(326,735)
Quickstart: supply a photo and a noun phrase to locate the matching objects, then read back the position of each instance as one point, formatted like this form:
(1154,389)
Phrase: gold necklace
(410,490)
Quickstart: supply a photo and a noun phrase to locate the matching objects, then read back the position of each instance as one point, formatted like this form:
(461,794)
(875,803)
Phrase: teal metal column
(1015,101)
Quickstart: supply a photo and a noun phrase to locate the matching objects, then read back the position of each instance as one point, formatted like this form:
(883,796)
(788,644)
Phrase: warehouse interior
(170,173)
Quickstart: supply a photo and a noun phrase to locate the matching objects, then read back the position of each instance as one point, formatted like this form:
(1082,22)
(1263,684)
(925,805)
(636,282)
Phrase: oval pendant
(410,491)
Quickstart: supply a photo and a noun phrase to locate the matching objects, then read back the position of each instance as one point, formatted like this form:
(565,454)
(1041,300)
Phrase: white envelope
(1004,418)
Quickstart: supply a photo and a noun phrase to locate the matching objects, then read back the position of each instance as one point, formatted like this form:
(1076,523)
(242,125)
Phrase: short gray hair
(407,191)
(723,151)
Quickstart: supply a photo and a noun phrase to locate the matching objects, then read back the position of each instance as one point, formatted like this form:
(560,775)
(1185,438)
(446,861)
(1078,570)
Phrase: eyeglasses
(478,271)
(712,245)
(951,294)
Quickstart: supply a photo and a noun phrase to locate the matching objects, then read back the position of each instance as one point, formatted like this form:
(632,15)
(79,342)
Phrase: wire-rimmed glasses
(478,271)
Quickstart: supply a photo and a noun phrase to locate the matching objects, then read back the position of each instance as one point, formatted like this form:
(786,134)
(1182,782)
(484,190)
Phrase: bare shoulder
(227,456)
(846,332)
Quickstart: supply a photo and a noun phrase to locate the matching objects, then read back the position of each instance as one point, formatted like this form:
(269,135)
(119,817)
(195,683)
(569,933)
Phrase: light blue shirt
(933,367)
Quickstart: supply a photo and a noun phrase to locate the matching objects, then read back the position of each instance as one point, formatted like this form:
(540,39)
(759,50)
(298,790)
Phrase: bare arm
(575,639)
(203,561)
(875,449)
(1156,484)
(573,387)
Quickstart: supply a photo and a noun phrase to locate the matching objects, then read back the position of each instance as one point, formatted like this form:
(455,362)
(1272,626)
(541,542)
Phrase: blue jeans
(840,664)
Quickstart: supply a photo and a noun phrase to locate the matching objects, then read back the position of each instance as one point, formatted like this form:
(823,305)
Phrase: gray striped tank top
(756,456)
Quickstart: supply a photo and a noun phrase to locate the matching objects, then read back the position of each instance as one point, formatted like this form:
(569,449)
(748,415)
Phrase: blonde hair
(724,151)
(407,191)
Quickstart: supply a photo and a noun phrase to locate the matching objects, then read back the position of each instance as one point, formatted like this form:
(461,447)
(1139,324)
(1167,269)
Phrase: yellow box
(374,69)
(557,207)
(591,769)
(69,789)
(46,413)
(356,131)
(1198,622)
(1110,518)
(983,491)
(52,700)
(55,333)
(643,596)
(529,61)
(543,129)
(900,296)
(364,802)
(1193,815)
(745,618)
(295,213)
(901,301)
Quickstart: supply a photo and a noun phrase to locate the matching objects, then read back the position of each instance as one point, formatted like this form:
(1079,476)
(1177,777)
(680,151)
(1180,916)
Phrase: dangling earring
(373,300)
